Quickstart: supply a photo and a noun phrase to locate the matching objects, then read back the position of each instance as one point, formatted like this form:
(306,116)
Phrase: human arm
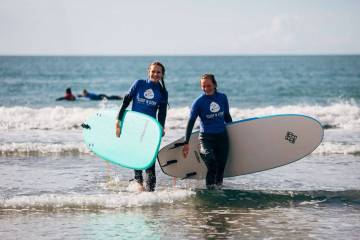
(227,116)
(125,104)
(189,128)
(194,113)
(161,116)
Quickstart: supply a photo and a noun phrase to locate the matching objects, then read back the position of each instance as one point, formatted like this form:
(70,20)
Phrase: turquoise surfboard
(137,146)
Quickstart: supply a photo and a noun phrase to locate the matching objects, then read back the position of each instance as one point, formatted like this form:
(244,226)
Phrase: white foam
(49,118)
(44,149)
(51,202)
(344,115)
(31,131)
(33,148)
(327,148)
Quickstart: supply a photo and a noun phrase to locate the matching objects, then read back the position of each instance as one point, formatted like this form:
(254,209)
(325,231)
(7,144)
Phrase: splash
(57,202)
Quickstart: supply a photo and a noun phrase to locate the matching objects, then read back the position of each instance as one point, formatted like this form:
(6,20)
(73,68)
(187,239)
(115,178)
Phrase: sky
(179,27)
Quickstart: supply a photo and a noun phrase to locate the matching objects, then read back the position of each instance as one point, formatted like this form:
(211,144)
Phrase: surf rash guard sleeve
(189,128)
(125,104)
(194,113)
(127,99)
(227,116)
(161,116)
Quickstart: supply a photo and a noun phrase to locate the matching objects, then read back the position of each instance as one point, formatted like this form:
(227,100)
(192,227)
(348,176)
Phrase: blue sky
(179,27)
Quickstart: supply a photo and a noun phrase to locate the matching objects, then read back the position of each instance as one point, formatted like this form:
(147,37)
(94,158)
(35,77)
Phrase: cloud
(279,34)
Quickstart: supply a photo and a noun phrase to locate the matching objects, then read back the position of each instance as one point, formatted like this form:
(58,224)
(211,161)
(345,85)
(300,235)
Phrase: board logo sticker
(291,137)
(214,107)
(149,94)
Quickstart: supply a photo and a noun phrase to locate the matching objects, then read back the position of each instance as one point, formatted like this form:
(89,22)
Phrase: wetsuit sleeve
(125,104)
(227,116)
(189,128)
(194,113)
(127,99)
(163,110)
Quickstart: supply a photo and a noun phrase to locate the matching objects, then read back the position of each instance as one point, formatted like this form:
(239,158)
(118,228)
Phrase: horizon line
(182,55)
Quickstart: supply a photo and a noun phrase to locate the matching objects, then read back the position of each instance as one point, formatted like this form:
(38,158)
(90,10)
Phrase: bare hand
(186,149)
(118,129)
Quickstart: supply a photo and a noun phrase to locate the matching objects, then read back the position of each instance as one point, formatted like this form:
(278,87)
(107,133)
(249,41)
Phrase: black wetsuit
(93,96)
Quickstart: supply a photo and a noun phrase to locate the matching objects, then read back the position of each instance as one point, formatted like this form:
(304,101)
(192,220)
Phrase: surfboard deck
(256,144)
(137,146)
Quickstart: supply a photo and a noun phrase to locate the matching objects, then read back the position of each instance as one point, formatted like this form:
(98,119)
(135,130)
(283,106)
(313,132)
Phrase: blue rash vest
(147,97)
(213,111)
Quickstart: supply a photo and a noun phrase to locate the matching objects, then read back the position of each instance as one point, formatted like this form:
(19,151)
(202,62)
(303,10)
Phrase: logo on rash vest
(149,94)
(214,107)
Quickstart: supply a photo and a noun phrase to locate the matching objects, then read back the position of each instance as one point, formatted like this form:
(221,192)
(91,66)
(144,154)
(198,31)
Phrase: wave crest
(345,115)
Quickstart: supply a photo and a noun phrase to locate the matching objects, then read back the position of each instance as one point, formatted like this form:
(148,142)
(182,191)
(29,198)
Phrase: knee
(207,155)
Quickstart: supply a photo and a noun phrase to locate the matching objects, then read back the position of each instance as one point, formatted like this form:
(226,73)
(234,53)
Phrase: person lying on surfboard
(213,109)
(149,97)
(68,96)
(93,96)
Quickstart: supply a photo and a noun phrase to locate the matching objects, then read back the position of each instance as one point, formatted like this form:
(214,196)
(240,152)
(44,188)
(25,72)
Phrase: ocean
(52,187)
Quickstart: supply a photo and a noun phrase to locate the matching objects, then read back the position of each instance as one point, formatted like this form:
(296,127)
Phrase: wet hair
(68,91)
(162,82)
(211,77)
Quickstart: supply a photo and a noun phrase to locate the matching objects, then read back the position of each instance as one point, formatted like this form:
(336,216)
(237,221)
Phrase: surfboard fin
(169,162)
(86,126)
(178,145)
(190,174)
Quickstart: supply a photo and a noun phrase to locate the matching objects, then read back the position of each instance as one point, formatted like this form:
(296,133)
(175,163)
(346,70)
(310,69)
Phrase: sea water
(52,187)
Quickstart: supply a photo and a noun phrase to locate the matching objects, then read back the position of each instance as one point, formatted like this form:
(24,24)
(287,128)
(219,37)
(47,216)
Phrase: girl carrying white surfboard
(213,109)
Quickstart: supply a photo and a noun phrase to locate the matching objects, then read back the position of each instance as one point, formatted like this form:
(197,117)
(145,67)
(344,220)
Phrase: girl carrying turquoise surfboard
(149,97)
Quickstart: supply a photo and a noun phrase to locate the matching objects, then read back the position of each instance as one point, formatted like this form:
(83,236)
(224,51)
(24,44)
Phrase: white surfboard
(256,144)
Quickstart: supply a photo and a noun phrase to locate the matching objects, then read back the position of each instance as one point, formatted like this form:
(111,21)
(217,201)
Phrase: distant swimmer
(68,96)
(93,96)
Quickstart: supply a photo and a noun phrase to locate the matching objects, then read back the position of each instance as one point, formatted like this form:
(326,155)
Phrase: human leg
(221,155)
(138,176)
(208,156)
(150,179)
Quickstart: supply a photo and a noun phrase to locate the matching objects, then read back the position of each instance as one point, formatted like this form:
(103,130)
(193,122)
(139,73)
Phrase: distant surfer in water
(149,97)
(93,96)
(68,96)
(213,109)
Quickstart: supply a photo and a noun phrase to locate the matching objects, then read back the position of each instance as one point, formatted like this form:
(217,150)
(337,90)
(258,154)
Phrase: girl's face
(207,86)
(155,73)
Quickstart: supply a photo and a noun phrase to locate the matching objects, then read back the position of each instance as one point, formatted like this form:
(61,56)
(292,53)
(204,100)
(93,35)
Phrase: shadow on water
(267,199)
